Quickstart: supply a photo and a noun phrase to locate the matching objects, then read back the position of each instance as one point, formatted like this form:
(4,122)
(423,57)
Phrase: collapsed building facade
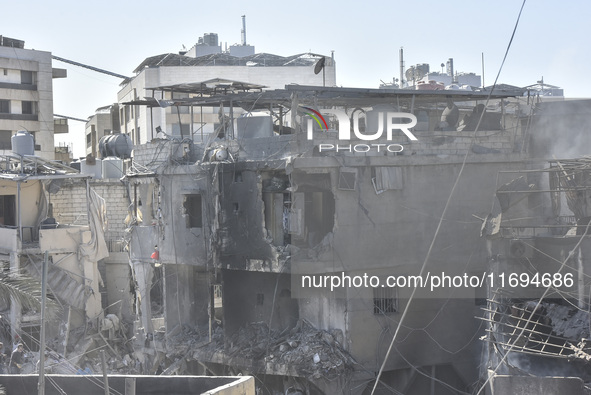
(235,245)
(224,235)
(29,230)
(537,318)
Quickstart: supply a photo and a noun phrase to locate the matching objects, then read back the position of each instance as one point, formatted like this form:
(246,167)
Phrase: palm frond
(26,291)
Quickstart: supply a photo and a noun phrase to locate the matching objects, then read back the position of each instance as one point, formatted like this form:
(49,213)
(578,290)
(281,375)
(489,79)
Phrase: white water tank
(112,167)
(95,170)
(254,126)
(23,143)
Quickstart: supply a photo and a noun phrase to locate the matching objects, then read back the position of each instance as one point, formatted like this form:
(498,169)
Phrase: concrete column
(144,272)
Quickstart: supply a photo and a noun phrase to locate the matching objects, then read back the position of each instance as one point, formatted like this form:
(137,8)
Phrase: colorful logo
(348,129)
(316,116)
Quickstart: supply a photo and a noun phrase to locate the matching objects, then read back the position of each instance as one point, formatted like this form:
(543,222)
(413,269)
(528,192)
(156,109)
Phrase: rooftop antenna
(243,30)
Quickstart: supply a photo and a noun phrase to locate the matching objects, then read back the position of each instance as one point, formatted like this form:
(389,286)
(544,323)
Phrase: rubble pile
(183,339)
(309,351)
(568,321)
(84,357)
(303,350)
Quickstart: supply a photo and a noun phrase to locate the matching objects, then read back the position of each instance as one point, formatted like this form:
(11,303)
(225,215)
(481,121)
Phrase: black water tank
(119,145)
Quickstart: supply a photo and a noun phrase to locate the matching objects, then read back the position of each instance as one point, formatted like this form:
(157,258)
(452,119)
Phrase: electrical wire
(406,309)
(534,310)
(94,380)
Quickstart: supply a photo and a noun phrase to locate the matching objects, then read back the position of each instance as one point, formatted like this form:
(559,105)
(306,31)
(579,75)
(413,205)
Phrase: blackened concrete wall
(254,297)
(186,296)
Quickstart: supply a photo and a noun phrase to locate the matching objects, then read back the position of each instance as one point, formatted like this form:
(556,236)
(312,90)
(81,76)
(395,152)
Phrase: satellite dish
(319,65)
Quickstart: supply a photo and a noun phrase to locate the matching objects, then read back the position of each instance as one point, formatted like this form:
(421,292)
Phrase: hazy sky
(552,39)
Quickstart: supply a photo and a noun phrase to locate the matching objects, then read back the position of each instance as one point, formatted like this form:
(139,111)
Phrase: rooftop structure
(218,72)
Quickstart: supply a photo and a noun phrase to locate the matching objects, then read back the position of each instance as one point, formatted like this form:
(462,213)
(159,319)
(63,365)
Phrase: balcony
(9,240)
(60,126)
(24,87)
(19,117)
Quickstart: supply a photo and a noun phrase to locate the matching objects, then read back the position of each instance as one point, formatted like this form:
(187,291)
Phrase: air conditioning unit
(520,248)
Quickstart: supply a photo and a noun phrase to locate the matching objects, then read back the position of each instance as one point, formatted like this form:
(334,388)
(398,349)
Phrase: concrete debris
(582,350)
(547,329)
(309,351)
(84,357)
(304,349)
(568,321)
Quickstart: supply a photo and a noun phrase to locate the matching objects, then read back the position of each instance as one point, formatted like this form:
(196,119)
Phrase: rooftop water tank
(92,169)
(22,143)
(75,165)
(119,145)
(112,167)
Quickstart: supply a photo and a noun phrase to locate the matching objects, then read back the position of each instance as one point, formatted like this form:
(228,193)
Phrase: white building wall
(102,122)
(271,77)
(13,60)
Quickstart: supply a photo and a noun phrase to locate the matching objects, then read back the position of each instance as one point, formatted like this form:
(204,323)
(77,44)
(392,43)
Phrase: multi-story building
(26,96)
(162,79)
(104,122)
(247,235)
(537,316)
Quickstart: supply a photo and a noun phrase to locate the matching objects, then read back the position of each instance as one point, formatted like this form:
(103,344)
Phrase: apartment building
(26,96)
(164,78)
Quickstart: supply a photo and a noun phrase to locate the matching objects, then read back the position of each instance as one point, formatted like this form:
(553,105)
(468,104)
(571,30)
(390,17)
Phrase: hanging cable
(406,308)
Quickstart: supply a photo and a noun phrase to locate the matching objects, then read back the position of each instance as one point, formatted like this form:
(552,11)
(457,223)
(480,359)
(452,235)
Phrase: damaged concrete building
(29,229)
(224,235)
(537,318)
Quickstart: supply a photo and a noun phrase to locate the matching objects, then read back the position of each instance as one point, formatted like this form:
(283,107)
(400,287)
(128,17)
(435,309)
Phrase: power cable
(533,312)
(406,309)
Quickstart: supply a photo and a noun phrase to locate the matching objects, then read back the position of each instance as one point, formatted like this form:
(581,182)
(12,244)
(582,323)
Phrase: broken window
(193,210)
(7,210)
(277,209)
(277,217)
(386,178)
(385,300)
(312,216)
